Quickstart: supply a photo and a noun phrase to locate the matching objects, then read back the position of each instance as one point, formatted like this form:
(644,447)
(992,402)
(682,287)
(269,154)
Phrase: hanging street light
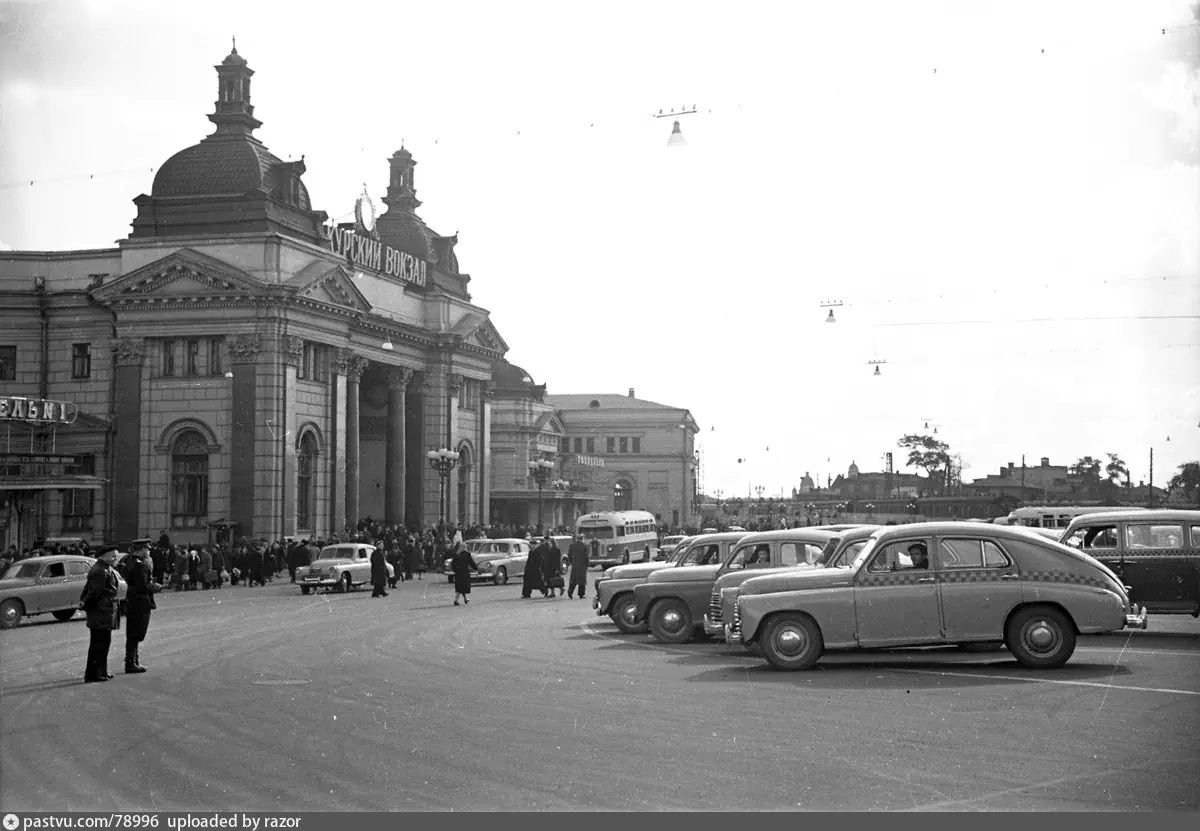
(540,470)
(443,461)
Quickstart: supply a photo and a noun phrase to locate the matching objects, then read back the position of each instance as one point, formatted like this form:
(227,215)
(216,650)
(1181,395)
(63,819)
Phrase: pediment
(477,330)
(182,274)
(332,285)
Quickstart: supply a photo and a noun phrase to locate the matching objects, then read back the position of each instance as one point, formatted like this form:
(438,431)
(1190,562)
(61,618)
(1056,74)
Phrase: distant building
(647,450)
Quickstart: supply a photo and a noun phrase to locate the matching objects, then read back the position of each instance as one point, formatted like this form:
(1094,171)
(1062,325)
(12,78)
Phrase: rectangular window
(192,364)
(591,446)
(312,362)
(610,444)
(624,445)
(8,363)
(564,445)
(578,445)
(81,360)
(637,444)
(1154,536)
(214,356)
(77,509)
(168,358)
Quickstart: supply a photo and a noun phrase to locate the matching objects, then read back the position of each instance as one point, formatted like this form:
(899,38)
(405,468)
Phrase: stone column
(293,349)
(485,452)
(415,439)
(398,379)
(243,353)
(125,493)
(355,366)
(454,383)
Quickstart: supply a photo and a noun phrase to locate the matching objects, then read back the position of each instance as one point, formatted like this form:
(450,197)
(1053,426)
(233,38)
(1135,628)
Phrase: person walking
(551,566)
(139,601)
(99,600)
(578,553)
(532,579)
(462,564)
(379,574)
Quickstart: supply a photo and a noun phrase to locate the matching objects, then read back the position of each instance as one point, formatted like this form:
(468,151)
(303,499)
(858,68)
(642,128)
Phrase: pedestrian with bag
(462,564)
(139,602)
(99,601)
(578,554)
(551,566)
(532,579)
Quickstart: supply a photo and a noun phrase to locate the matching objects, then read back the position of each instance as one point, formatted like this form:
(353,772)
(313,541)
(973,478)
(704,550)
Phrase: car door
(895,600)
(51,588)
(979,583)
(1153,556)
(77,573)
(520,556)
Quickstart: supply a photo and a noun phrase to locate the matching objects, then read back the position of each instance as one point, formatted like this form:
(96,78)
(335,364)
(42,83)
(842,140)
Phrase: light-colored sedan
(498,560)
(340,567)
(52,584)
(936,583)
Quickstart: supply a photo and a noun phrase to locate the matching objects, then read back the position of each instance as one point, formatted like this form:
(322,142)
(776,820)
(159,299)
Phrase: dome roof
(218,165)
(510,376)
(408,233)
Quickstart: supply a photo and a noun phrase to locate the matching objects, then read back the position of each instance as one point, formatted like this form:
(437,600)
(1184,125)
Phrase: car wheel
(64,614)
(343,584)
(501,576)
(305,589)
(450,578)
(671,621)
(792,642)
(623,608)
(11,612)
(1040,637)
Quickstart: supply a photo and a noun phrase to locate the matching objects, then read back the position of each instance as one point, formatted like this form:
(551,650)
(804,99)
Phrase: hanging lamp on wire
(676,138)
(387,344)
(876,364)
(831,305)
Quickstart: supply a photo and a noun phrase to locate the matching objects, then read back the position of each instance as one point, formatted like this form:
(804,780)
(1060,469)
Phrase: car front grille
(714,606)
(735,625)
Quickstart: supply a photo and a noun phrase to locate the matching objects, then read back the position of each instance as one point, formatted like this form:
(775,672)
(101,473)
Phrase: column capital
(129,351)
(398,377)
(244,349)
(356,365)
(293,348)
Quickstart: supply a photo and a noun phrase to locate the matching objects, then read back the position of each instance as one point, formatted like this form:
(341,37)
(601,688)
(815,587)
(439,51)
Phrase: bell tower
(234,114)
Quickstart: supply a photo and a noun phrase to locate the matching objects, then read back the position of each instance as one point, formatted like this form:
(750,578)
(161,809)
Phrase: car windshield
(333,553)
(22,571)
(863,553)
(846,557)
(702,554)
(597,533)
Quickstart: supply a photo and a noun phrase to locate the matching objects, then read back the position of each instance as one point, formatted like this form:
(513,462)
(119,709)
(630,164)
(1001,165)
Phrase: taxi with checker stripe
(938,583)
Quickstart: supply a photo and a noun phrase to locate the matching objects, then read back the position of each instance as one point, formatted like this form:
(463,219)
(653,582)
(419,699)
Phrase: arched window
(622,496)
(189,480)
(306,492)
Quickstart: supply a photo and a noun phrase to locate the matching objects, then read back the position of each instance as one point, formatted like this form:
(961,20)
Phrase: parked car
(667,545)
(52,583)
(793,547)
(1155,553)
(498,560)
(614,589)
(982,584)
(340,567)
(673,602)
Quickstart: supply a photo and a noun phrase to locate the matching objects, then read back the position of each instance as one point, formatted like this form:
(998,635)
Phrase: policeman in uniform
(139,601)
(99,600)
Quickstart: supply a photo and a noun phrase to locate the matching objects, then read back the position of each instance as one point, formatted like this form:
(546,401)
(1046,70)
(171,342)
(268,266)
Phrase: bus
(1055,516)
(618,537)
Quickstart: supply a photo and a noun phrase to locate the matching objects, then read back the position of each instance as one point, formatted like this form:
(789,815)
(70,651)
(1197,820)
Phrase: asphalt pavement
(261,699)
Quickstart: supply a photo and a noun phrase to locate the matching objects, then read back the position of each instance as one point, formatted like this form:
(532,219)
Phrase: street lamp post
(540,470)
(564,486)
(443,461)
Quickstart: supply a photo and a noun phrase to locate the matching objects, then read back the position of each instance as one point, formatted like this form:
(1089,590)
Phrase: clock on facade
(364,212)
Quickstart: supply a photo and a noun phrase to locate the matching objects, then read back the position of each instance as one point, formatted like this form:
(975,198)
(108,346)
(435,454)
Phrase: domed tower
(511,381)
(852,473)
(401,228)
(229,182)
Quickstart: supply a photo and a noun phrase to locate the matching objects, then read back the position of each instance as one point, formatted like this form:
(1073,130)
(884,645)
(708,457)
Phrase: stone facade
(248,367)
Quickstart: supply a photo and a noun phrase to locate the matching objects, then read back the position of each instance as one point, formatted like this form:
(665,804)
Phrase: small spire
(235,44)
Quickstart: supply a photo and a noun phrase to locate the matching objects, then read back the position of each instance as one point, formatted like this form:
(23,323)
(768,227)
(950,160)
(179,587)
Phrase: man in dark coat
(139,601)
(533,574)
(378,573)
(551,565)
(578,552)
(99,600)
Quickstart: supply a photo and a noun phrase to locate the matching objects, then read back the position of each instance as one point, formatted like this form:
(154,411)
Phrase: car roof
(479,540)
(945,528)
(812,532)
(55,558)
(720,536)
(1180,515)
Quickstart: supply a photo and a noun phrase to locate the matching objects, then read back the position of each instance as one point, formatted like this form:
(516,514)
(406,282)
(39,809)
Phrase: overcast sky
(1004,197)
